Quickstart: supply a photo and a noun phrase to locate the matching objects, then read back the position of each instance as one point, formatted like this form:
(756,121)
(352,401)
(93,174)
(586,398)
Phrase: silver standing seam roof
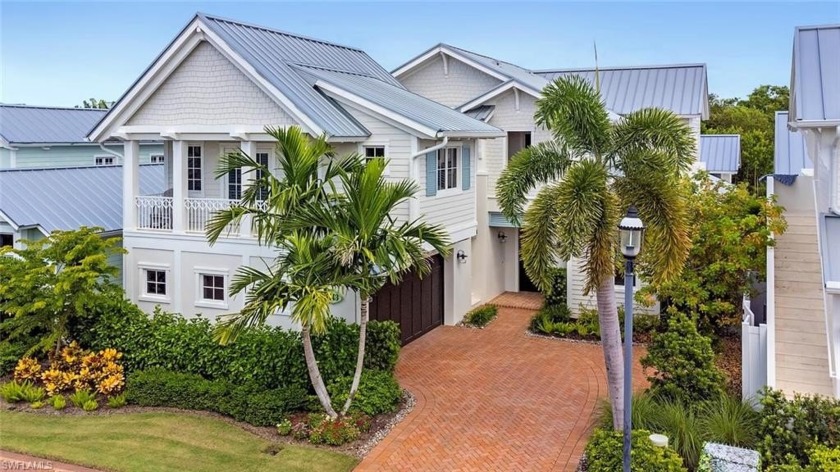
(721,152)
(790,154)
(24,124)
(70,197)
(815,87)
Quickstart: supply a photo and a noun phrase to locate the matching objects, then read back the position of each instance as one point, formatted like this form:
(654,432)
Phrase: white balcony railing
(154,212)
(200,210)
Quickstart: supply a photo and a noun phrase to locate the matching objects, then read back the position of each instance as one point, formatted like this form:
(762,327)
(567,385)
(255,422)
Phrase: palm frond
(572,109)
(649,133)
(539,164)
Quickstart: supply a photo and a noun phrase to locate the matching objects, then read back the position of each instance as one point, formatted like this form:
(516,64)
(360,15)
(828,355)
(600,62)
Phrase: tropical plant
(481,316)
(50,283)
(368,245)
(604,453)
(593,170)
(81,397)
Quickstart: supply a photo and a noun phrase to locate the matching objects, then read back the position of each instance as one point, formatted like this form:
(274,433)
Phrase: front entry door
(525,283)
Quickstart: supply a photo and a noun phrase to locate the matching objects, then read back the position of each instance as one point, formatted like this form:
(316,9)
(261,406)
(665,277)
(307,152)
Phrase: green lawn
(155,441)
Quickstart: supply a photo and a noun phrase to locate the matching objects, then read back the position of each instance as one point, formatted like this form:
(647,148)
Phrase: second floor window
(156,158)
(374,152)
(447,168)
(262,158)
(194,168)
(104,160)
(235,184)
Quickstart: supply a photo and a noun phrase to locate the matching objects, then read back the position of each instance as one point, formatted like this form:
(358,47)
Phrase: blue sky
(61,53)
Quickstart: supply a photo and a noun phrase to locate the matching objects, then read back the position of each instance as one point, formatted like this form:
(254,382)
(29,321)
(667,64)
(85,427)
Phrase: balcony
(157,213)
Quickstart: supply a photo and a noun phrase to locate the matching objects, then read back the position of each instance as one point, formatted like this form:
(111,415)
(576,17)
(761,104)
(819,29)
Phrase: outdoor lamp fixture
(502,237)
(462,257)
(632,231)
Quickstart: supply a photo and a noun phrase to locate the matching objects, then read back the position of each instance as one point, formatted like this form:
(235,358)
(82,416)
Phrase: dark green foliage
(604,453)
(267,357)
(555,320)
(481,316)
(544,320)
(333,432)
(378,392)
(248,403)
(10,352)
(790,427)
(556,296)
(683,363)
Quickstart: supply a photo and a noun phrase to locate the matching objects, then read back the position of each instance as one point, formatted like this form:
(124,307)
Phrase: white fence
(200,210)
(154,212)
(753,354)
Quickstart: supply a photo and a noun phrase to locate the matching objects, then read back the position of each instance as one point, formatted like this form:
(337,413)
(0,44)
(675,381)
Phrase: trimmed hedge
(378,393)
(248,403)
(270,358)
(604,453)
(791,427)
(481,316)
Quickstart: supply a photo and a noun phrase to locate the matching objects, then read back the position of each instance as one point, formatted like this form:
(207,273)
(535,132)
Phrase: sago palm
(367,243)
(591,172)
(303,275)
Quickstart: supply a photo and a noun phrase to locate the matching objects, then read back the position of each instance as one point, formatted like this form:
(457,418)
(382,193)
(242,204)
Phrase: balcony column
(179,185)
(131,183)
(249,148)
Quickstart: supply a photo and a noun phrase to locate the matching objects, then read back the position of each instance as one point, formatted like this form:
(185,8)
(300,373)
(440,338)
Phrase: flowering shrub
(333,432)
(284,428)
(76,369)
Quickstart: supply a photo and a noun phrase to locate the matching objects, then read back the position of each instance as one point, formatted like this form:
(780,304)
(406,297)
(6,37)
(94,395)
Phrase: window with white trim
(262,159)
(156,158)
(155,282)
(194,178)
(374,152)
(235,184)
(104,160)
(447,168)
(212,287)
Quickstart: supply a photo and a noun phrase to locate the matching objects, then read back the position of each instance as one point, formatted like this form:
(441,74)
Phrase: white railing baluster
(154,212)
(201,210)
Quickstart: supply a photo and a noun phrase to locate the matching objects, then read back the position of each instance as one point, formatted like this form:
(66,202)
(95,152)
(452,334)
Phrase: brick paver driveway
(494,399)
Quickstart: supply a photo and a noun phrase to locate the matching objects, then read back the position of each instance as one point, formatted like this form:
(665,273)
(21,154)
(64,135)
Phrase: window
(156,158)
(104,160)
(374,152)
(212,287)
(447,168)
(262,158)
(235,184)
(6,240)
(155,282)
(194,168)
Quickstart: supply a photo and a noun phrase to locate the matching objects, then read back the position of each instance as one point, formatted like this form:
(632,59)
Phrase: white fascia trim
(813,124)
(472,134)
(11,222)
(481,99)
(408,67)
(342,95)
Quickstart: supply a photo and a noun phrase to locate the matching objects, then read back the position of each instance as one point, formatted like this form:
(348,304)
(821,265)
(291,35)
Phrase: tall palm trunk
(364,311)
(315,373)
(611,343)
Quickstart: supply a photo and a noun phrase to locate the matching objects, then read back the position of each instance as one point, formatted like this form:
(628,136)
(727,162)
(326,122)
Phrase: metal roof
(791,155)
(830,232)
(397,99)
(70,197)
(721,152)
(681,88)
(481,112)
(815,87)
(23,124)
(512,71)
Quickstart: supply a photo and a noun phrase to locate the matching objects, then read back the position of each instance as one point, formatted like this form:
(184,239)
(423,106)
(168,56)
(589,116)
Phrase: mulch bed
(728,359)
(638,338)
(380,425)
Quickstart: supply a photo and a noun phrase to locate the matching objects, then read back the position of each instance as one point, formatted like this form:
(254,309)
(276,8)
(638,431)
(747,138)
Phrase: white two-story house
(504,95)
(214,89)
(803,269)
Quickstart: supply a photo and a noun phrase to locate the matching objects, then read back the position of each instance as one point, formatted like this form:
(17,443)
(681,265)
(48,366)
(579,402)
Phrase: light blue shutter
(431,174)
(466,173)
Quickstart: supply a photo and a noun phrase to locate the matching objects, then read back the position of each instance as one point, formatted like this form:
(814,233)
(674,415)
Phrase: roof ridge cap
(601,68)
(48,107)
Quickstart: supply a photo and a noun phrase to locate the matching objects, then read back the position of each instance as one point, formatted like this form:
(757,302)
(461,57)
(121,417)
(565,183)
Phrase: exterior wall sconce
(502,237)
(462,257)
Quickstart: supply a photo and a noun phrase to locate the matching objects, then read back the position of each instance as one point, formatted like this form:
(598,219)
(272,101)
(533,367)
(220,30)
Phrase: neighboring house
(803,269)
(720,154)
(213,90)
(504,95)
(47,137)
(36,202)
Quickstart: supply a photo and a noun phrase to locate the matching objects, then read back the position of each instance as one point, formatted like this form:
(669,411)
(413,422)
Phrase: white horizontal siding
(74,156)
(461,84)
(575,291)
(454,210)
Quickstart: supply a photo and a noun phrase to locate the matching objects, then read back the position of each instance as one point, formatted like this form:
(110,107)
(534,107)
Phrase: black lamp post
(632,231)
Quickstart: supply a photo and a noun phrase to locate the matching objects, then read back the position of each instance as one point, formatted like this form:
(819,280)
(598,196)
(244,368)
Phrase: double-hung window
(447,168)
(104,160)
(262,159)
(235,184)
(194,178)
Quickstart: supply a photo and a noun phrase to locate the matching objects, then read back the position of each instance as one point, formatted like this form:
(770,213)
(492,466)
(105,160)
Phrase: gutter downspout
(113,153)
(834,170)
(413,210)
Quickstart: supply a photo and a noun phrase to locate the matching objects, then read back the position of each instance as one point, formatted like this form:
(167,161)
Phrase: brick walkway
(494,399)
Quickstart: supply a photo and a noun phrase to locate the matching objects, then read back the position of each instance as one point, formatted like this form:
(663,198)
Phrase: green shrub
(268,357)
(481,316)
(80,397)
(90,405)
(729,420)
(820,459)
(545,319)
(31,393)
(37,405)
(249,403)
(12,391)
(683,363)
(284,428)
(117,401)
(789,428)
(58,402)
(378,393)
(604,453)
(556,296)
(333,432)
(11,352)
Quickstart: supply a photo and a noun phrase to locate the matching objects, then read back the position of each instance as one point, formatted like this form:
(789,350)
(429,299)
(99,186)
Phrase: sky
(60,53)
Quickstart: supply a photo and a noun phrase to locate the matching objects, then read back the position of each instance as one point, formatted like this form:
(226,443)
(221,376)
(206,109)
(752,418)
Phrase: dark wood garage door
(415,304)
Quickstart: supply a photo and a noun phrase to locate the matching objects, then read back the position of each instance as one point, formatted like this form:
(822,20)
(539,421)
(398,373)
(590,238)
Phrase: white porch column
(131,183)
(249,148)
(179,185)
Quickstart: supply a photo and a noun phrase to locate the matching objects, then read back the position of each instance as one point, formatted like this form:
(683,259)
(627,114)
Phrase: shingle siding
(461,84)
(207,89)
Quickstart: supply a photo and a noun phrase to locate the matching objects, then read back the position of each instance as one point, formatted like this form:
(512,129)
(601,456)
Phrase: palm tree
(304,274)
(367,243)
(592,171)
